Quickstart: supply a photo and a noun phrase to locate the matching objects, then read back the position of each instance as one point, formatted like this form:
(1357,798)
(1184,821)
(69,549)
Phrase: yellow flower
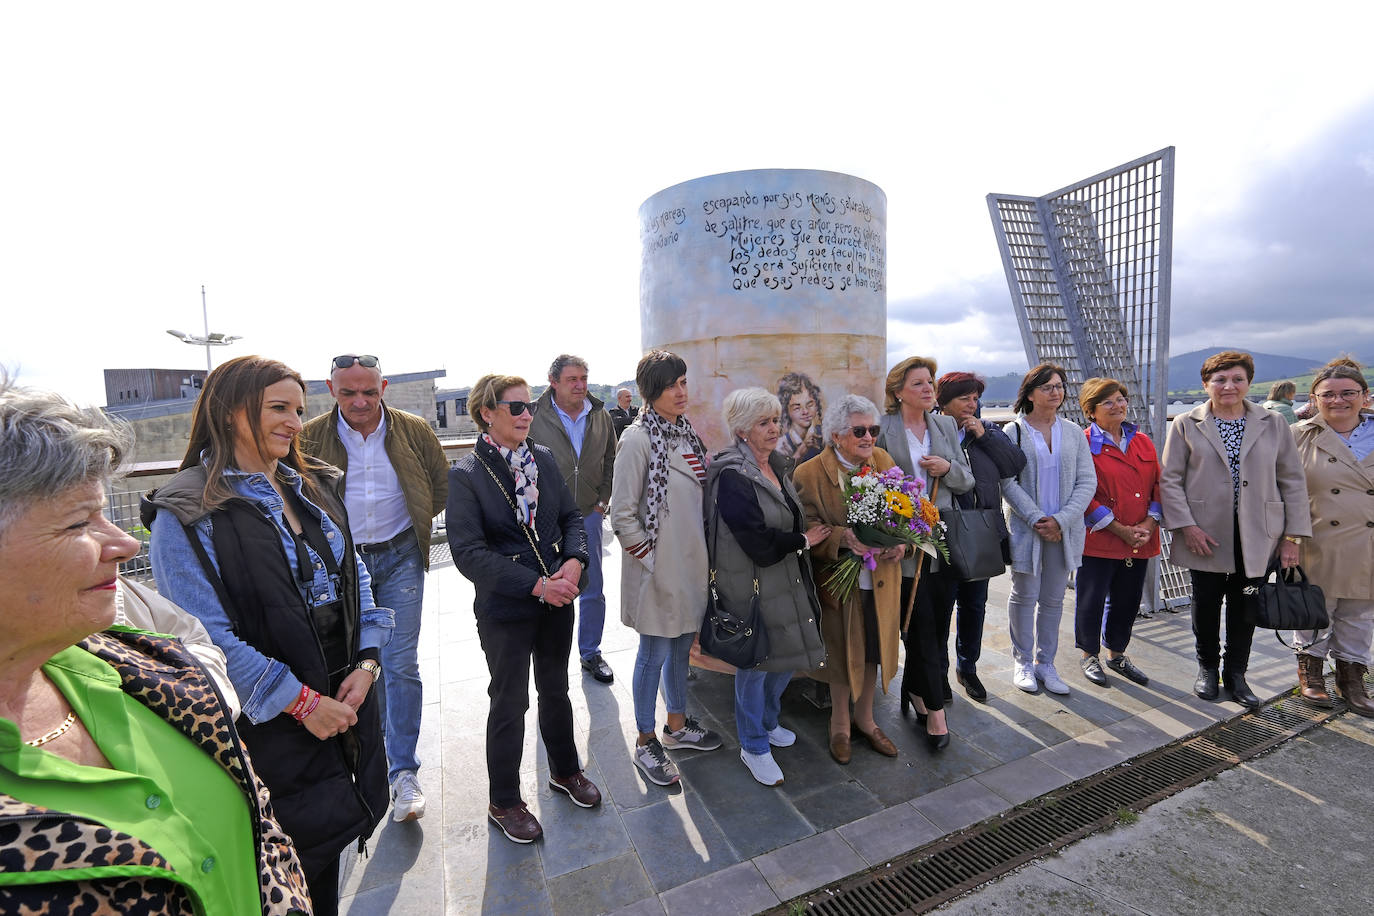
(899,504)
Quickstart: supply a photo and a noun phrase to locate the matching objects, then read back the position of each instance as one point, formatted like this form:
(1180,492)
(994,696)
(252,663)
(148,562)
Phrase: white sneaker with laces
(1051,679)
(1023,676)
(764,768)
(782,737)
(407,801)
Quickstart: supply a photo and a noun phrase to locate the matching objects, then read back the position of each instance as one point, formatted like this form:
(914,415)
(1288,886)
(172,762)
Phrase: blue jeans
(660,658)
(591,606)
(758,697)
(398,582)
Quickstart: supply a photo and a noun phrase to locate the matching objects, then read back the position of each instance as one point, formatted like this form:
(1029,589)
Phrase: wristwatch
(371,667)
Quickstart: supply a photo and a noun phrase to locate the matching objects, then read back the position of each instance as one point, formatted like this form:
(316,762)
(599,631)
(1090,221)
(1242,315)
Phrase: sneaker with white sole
(1023,676)
(782,737)
(763,767)
(1046,675)
(407,801)
(693,736)
(656,766)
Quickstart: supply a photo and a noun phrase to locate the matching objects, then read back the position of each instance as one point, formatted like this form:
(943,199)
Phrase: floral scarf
(665,438)
(526,474)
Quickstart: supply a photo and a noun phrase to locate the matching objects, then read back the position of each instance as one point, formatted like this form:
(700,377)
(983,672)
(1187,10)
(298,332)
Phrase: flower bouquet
(885,509)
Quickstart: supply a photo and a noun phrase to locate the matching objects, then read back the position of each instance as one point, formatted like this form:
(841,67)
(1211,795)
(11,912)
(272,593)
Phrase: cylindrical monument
(769,277)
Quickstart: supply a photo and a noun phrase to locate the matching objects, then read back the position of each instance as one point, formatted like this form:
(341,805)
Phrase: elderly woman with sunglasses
(860,631)
(515,531)
(1337,451)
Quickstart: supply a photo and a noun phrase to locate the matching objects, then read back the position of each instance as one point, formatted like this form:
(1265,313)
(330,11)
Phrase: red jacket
(1127,487)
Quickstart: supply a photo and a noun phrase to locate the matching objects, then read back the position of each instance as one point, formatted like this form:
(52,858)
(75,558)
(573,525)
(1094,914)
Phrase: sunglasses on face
(516,408)
(860,431)
(348,359)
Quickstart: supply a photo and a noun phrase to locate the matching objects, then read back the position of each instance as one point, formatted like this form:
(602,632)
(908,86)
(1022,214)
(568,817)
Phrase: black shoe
(596,666)
(937,742)
(972,686)
(1123,666)
(906,708)
(1092,670)
(1206,684)
(1240,691)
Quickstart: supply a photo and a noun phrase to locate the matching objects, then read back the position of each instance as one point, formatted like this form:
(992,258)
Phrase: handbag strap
(511,502)
(715,536)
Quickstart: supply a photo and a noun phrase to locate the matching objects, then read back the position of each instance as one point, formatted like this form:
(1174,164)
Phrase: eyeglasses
(860,431)
(1349,394)
(1114,402)
(348,359)
(1050,389)
(516,408)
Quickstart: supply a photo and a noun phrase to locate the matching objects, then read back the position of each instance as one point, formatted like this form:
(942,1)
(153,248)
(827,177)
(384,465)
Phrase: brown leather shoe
(839,748)
(1313,681)
(579,788)
(516,823)
(878,741)
(1350,685)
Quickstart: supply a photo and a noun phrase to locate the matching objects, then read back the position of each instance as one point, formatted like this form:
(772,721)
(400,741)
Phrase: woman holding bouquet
(926,446)
(860,629)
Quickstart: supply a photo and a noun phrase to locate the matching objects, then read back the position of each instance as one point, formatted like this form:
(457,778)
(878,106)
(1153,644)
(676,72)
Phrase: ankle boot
(1239,690)
(1313,681)
(1206,684)
(1350,685)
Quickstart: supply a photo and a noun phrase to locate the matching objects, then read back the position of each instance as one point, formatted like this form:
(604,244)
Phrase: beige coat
(663,594)
(842,625)
(1340,556)
(1195,489)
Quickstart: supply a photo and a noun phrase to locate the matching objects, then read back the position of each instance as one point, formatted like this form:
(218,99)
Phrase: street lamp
(208,340)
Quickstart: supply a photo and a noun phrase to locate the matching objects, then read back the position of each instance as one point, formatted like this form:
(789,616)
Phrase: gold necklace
(56,732)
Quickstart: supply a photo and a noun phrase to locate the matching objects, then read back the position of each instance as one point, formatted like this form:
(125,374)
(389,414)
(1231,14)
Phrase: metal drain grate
(949,867)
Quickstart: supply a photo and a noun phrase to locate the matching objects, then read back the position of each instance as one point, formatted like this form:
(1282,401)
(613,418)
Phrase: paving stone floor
(719,842)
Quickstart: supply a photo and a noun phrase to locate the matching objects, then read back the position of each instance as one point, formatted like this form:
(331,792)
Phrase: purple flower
(870,563)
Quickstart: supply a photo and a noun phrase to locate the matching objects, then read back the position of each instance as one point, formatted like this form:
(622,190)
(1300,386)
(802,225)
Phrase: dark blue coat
(490,547)
(993,458)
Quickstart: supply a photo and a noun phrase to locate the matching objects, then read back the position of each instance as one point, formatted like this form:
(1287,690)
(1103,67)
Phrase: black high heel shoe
(906,708)
(937,742)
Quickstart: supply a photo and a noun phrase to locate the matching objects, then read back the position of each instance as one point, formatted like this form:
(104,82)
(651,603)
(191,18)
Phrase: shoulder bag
(1285,600)
(974,540)
(733,635)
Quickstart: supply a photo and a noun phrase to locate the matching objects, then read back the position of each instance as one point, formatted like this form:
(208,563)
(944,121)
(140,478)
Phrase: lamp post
(208,340)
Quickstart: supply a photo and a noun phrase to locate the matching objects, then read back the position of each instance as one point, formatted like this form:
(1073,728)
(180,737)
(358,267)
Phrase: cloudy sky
(456,188)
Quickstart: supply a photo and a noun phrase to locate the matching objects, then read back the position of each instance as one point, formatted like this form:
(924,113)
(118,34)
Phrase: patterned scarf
(665,438)
(526,474)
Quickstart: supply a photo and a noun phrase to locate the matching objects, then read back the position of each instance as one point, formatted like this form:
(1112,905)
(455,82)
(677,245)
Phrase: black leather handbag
(1285,600)
(735,636)
(974,540)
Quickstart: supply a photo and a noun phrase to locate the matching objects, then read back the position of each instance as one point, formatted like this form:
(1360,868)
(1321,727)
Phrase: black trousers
(968,624)
(510,645)
(1209,590)
(324,888)
(1100,579)
(927,636)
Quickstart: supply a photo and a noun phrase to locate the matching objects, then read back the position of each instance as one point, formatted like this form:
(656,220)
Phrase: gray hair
(563,361)
(838,417)
(49,445)
(744,407)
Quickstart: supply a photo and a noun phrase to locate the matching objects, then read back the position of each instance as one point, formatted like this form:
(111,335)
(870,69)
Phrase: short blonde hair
(896,378)
(486,392)
(744,407)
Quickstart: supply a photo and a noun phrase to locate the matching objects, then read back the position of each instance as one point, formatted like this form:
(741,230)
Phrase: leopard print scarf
(665,438)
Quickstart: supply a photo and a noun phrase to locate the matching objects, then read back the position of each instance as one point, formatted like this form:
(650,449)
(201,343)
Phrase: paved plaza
(719,842)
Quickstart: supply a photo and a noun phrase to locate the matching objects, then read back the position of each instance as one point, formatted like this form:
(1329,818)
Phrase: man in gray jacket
(577,429)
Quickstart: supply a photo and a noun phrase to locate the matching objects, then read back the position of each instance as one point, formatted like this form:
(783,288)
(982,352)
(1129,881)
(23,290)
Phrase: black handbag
(1285,600)
(974,540)
(736,638)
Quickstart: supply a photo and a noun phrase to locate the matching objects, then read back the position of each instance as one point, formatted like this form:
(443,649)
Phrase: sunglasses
(348,359)
(516,408)
(860,431)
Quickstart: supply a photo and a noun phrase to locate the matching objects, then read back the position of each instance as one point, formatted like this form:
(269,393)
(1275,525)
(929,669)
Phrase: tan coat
(1340,556)
(842,625)
(663,594)
(1195,489)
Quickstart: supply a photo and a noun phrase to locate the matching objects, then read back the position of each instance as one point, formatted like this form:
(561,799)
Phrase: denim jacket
(265,685)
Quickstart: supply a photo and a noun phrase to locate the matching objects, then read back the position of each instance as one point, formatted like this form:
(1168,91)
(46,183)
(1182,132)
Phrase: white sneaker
(763,766)
(782,737)
(407,801)
(1051,679)
(1023,676)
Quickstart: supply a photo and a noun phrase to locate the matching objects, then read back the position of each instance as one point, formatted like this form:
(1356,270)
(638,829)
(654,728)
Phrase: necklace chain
(56,732)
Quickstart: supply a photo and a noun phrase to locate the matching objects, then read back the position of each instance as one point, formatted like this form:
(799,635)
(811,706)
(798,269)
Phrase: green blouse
(161,788)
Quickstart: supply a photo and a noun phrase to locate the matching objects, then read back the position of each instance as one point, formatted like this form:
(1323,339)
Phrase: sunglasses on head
(348,359)
(516,408)
(860,431)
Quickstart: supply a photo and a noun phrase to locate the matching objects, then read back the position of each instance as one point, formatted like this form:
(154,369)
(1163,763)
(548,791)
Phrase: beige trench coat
(663,594)
(1195,489)
(1340,556)
(842,625)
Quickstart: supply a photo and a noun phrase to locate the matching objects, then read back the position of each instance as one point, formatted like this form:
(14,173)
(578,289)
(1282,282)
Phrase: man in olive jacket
(395,482)
(577,429)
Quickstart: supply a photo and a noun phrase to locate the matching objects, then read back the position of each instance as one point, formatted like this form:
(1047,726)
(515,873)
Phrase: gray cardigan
(1077,484)
(944,443)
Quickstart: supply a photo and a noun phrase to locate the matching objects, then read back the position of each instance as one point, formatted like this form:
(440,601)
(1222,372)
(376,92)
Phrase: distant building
(451,413)
(124,386)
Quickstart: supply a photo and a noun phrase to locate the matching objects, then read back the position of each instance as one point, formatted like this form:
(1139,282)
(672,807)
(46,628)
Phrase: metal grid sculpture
(1089,270)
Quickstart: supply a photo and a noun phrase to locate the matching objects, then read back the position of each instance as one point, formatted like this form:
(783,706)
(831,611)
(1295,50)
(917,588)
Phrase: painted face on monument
(359,391)
(801,409)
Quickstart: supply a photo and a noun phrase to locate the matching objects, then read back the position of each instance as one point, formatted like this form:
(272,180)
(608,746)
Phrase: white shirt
(372,492)
(1047,468)
(919,449)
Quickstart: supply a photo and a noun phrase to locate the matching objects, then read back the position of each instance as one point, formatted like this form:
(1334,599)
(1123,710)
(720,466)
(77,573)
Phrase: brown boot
(1312,681)
(1350,685)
